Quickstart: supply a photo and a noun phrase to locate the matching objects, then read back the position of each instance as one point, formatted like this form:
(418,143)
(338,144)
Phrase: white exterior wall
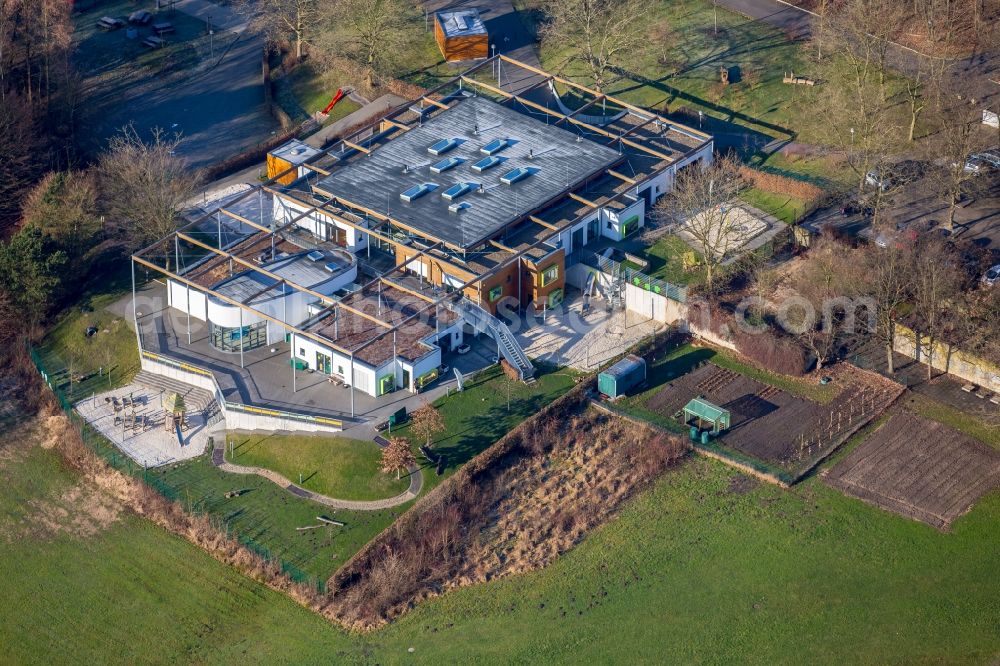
(419,367)
(177,297)
(637,209)
(315,222)
(305,350)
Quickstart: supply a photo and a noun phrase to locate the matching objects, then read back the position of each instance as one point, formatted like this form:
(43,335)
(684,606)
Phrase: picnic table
(140,17)
(163,28)
(154,42)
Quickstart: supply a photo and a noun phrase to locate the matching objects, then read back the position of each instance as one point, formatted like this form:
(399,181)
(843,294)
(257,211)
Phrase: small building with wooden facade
(461,35)
(288,155)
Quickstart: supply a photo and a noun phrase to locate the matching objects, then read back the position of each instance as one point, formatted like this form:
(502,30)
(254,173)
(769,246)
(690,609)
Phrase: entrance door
(577,239)
(406,379)
(322,363)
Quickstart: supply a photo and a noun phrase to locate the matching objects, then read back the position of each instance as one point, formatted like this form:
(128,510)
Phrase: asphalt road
(218,111)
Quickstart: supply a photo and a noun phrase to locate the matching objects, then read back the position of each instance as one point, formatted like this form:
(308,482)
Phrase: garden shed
(705,414)
(461,35)
(622,376)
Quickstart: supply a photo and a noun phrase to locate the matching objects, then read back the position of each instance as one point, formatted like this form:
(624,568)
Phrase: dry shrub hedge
(514,508)
(778,184)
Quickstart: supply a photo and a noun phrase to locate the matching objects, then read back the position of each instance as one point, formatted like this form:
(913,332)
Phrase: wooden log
(324,519)
(310,527)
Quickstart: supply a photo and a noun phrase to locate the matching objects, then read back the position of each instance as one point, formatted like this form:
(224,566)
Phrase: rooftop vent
(457,190)
(315,255)
(442,146)
(417,191)
(511,177)
(486,163)
(494,146)
(298,150)
(332,266)
(446,164)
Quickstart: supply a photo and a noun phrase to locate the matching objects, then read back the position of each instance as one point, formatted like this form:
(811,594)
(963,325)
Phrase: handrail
(236,406)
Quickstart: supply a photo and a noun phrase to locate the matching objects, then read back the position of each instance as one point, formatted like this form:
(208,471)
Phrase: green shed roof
(706,411)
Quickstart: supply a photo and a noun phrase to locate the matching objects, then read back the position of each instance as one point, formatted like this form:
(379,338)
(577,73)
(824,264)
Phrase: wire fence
(634,277)
(174,492)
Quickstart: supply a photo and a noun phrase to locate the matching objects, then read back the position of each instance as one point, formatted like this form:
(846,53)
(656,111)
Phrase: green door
(322,363)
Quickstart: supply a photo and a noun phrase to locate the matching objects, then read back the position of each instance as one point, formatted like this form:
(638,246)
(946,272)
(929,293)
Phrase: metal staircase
(481,321)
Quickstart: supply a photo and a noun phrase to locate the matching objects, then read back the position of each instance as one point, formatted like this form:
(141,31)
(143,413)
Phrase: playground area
(135,418)
(739,229)
(768,424)
(920,469)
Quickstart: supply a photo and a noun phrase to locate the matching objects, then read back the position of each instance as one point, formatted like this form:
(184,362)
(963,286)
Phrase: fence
(107,451)
(252,415)
(637,278)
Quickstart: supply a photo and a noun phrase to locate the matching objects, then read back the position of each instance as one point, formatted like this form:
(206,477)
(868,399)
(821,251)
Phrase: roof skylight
(442,146)
(511,177)
(417,191)
(457,190)
(446,164)
(486,163)
(494,146)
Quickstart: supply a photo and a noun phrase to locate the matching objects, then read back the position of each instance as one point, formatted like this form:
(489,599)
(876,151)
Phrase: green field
(265,516)
(306,91)
(332,466)
(666,262)
(705,566)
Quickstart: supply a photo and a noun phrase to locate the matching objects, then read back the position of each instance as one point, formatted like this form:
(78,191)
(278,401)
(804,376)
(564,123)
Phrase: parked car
(463,349)
(992,276)
(990,156)
(443,370)
(975,165)
(878,179)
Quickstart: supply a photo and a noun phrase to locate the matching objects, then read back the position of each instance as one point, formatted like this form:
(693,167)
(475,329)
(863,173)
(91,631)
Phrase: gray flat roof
(296,268)
(461,22)
(560,160)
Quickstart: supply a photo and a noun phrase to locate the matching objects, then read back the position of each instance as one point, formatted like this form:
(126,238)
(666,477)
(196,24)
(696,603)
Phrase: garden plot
(920,469)
(774,426)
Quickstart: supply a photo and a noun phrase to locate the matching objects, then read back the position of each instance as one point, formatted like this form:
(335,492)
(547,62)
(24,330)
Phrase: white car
(991,157)
(992,276)
(876,178)
(462,349)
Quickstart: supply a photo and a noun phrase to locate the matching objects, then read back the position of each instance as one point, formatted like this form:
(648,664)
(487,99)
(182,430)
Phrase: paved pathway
(416,483)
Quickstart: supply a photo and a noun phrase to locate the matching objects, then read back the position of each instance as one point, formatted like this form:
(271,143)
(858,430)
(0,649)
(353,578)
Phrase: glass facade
(228,339)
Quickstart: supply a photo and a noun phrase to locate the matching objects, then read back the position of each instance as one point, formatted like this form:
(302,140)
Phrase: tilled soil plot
(773,425)
(919,469)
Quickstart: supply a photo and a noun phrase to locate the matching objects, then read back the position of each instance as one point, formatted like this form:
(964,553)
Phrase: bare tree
(936,280)
(955,138)
(885,278)
(143,186)
(396,455)
(373,32)
(19,165)
(599,35)
(427,422)
(277,19)
(822,284)
(703,210)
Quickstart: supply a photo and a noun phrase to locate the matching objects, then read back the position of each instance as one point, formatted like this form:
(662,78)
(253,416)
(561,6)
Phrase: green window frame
(495,293)
(550,274)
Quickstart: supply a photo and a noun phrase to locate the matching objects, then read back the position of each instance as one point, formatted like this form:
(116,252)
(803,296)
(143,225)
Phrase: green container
(705,435)
(397,417)
(622,376)
(298,364)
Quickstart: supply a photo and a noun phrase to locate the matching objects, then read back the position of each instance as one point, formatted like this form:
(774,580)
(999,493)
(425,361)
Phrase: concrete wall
(948,359)
(236,418)
(655,306)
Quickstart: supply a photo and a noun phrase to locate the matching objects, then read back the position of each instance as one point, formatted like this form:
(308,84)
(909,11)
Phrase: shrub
(778,184)
(774,353)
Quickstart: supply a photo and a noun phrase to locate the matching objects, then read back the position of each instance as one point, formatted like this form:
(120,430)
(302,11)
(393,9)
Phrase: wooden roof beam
(586,202)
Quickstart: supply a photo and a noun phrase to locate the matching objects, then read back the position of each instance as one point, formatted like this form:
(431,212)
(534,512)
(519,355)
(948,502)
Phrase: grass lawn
(89,359)
(704,563)
(478,416)
(666,261)
(266,515)
(785,207)
(306,91)
(333,466)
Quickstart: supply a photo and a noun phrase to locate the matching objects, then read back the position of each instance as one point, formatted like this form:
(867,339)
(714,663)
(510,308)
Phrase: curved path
(416,483)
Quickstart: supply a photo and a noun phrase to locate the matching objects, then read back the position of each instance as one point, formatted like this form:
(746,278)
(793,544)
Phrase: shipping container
(621,377)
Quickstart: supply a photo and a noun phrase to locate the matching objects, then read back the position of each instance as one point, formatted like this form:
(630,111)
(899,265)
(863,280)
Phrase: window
(494,146)
(302,351)
(514,175)
(550,274)
(496,293)
(442,146)
(611,225)
(417,191)
(446,164)
(230,339)
(456,190)
(486,163)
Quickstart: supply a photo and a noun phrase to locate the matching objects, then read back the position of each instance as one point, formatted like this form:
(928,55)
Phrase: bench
(163,28)
(141,17)
(969,388)
(154,42)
